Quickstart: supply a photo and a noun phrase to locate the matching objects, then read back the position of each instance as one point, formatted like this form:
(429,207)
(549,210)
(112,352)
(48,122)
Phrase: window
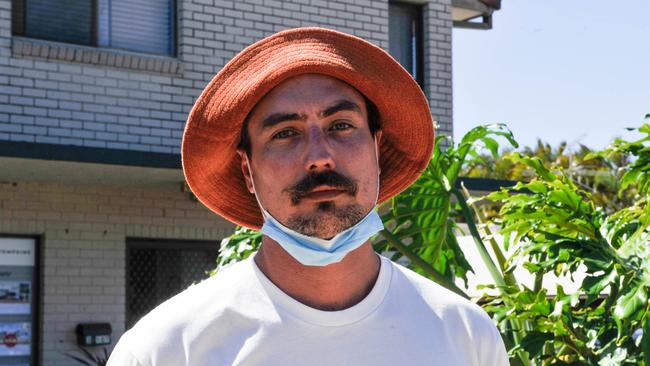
(136,25)
(159,269)
(405,41)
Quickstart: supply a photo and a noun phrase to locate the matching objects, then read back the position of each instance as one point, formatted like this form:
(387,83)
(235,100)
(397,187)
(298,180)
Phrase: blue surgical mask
(313,251)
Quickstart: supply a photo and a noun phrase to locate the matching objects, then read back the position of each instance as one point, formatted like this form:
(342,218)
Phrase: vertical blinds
(143,25)
(59,20)
(136,25)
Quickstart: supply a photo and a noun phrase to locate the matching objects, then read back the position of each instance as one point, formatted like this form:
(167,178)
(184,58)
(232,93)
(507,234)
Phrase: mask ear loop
(250,173)
(378,170)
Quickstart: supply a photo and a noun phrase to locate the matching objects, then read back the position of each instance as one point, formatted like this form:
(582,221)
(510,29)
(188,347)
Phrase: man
(301,135)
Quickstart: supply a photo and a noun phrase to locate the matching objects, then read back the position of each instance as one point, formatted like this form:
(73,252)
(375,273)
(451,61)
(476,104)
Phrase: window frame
(417,15)
(159,244)
(19,20)
(37,299)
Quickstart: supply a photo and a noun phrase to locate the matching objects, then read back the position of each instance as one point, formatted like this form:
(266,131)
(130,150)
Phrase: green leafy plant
(238,246)
(421,222)
(554,222)
(90,359)
(557,227)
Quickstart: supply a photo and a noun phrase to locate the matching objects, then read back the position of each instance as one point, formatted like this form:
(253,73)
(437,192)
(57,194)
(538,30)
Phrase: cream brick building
(90,125)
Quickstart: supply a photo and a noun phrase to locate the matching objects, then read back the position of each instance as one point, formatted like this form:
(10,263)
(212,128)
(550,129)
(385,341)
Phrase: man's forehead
(306,91)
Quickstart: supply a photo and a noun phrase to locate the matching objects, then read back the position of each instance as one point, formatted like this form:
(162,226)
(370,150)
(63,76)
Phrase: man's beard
(328,220)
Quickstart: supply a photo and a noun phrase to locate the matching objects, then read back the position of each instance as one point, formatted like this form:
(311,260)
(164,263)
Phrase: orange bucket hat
(213,130)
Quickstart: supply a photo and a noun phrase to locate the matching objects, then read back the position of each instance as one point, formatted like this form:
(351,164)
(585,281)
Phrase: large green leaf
(421,216)
(632,300)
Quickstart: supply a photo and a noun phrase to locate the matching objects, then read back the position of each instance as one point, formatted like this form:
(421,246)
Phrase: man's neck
(336,286)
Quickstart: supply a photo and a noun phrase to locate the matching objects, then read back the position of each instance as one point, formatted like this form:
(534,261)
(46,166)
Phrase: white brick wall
(77,103)
(44,99)
(83,231)
(437,63)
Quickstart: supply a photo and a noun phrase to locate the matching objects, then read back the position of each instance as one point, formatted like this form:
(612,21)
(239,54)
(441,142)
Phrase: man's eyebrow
(341,105)
(276,118)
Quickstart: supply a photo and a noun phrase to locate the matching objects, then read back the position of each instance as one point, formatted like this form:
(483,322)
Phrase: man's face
(312,155)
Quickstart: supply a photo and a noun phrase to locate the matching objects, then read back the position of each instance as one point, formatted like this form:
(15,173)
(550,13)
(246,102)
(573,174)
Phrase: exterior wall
(83,231)
(44,99)
(120,100)
(437,63)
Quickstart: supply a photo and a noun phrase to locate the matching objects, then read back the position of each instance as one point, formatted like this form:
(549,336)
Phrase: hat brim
(210,162)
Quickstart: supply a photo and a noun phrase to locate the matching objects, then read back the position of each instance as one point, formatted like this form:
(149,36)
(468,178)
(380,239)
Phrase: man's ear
(246,172)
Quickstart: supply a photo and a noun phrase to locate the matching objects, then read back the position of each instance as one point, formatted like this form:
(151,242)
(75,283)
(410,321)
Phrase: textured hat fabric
(213,130)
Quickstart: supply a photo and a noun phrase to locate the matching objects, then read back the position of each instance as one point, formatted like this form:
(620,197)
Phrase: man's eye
(339,126)
(284,134)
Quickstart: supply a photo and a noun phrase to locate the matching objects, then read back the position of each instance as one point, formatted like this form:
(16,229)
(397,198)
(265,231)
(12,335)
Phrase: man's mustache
(326,178)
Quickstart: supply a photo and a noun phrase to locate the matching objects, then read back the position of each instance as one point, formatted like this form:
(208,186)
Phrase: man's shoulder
(459,319)
(443,302)
(192,314)
(219,291)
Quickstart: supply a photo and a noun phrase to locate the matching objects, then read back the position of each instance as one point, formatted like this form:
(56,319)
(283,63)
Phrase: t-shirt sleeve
(495,354)
(122,356)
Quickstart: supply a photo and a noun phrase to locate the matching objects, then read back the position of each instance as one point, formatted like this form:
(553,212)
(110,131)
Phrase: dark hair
(373,124)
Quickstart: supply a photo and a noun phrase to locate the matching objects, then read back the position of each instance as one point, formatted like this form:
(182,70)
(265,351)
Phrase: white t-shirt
(239,317)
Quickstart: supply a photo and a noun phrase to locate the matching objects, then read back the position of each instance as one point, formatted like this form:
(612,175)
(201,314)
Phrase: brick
(8,108)
(25,101)
(34,130)
(4,127)
(46,84)
(59,76)
(106,136)
(83,134)
(94,126)
(48,122)
(59,113)
(70,124)
(21,81)
(161,149)
(35,111)
(61,132)
(11,71)
(22,119)
(70,105)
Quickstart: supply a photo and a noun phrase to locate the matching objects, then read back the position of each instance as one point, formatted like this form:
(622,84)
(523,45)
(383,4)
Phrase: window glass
(404,37)
(59,20)
(143,26)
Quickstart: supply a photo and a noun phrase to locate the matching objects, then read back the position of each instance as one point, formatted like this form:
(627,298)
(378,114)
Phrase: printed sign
(15,297)
(17,252)
(15,339)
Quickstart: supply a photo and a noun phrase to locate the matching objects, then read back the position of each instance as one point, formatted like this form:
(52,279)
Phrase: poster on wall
(15,339)
(18,298)
(15,297)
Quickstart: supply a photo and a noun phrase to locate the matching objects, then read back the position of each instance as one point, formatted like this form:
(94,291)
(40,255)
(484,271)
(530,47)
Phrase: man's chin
(327,221)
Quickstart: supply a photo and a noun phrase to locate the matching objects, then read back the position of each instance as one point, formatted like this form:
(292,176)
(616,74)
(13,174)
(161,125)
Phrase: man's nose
(319,152)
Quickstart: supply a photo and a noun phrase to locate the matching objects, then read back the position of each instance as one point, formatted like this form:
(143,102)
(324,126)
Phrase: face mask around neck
(313,251)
